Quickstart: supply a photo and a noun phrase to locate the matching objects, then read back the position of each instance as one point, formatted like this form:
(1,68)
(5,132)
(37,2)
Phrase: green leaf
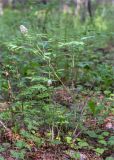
(71,44)
(100,137)
(2,158)
(100,150)
(92,134)
(109,158)
(76,155)
(111,141)
(18,155)
(2,149)
(105,134)
(83,144)
(56,142)
(107,92)
(92,106)
(69,140)
(102,142)
(20,144)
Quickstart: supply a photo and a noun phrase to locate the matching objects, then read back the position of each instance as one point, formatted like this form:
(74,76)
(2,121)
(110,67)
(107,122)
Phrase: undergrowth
(56,75)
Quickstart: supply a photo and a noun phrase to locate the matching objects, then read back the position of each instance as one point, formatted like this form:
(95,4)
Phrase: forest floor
(57,151)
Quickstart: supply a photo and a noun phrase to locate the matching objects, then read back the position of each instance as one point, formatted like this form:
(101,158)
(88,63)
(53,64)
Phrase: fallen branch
(4,126)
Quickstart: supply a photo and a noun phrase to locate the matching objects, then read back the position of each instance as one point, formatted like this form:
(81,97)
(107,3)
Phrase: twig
(3,125)
(10,92)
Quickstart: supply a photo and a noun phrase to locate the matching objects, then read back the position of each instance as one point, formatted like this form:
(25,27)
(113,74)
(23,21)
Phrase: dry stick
(81,114)
(10,92)
(9,86)
(57,76)
(68,91)
(52,131)
(3,125)
(75,130)
(8,81)
(75,136)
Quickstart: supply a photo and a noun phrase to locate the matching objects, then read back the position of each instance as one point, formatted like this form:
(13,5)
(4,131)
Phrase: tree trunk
(83,9)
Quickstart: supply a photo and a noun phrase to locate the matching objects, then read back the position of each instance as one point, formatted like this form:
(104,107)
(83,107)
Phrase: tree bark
(83,9)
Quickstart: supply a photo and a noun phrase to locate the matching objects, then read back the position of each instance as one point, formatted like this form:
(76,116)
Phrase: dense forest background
(56,80)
